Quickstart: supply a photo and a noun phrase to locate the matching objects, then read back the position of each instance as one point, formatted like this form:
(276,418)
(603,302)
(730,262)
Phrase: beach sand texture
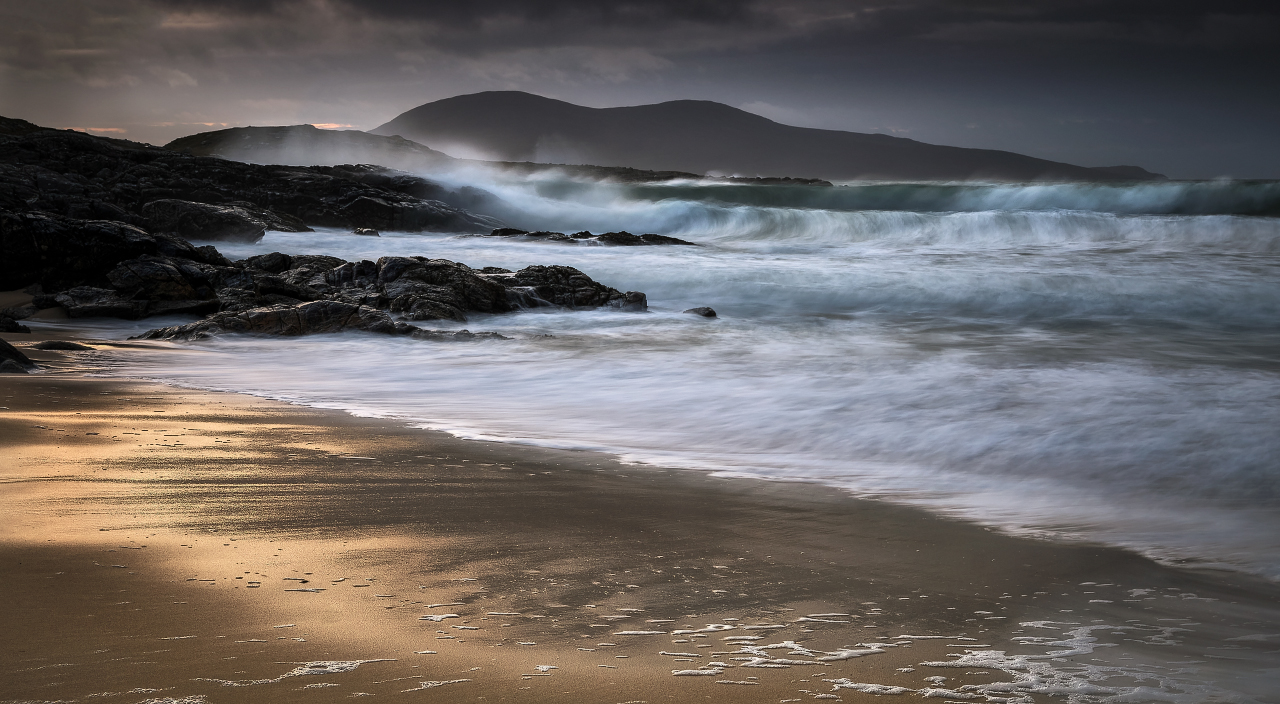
(173,545)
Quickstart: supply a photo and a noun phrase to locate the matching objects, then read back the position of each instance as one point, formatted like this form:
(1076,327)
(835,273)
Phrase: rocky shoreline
(102,228)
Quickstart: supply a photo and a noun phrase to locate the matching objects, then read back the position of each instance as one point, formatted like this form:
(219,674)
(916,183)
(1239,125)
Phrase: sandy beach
(176,545)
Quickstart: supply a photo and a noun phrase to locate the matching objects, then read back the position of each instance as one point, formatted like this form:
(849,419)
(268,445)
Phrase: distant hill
(307,145)
(701,137)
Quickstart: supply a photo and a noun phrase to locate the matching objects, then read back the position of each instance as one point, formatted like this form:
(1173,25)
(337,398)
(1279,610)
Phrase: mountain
(704,137)
(307,145)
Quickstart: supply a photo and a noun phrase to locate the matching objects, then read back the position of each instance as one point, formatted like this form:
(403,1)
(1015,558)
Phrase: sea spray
(1069,372)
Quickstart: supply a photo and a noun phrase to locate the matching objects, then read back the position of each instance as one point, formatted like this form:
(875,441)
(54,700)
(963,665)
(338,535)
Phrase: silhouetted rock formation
(115,267)
(94,178)
(617,239)
(702,137)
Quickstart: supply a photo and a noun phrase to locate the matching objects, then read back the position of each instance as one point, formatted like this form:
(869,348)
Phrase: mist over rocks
(95,178)
(138,262)
(704,137)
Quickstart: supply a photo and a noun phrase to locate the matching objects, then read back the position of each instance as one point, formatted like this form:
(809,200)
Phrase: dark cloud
(1187,87)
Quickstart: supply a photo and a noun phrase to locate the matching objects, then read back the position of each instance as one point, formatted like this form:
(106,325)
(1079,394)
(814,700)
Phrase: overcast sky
(1190,89)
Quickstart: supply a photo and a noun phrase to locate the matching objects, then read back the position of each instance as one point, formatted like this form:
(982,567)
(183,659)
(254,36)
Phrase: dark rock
(60,252)
(94,178)
(365,232)
(495,270)
(8,324)
(566,286)
(305,319)
(202,221)
(8,366)
(9,353)
(20,312)
(458,336)
(163,279)
(62,345)
(620,239)
(507,232)
(274,262)
(384,212)
(704,311)
(470,291)
(663,239)
(584,235)
(90,302)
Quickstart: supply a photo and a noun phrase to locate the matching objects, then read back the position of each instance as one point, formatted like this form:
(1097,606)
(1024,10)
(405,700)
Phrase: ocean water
(1086,362)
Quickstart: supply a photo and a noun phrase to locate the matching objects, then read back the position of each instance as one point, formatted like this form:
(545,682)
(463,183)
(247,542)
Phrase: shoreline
(561,538)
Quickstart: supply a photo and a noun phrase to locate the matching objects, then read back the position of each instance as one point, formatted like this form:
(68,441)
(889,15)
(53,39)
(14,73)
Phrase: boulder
(61,345)
(704,311)
(274,262)
(91,302)
(471,291)
(366,232)
(60,252)
(12,355)
(305,319)
(203,221)
(566,286)
(8,366)
(663,239)
(8,324)
(163,279)
(620,239)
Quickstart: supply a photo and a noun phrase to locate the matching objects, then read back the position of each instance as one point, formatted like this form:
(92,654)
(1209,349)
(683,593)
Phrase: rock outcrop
(101,227)
(94,178)
(13,361)
(615,239)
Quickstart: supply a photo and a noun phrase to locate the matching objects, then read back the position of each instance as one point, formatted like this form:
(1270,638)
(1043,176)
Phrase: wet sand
(165,544)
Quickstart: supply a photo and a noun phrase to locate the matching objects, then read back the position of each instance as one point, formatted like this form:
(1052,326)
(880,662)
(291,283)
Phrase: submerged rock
(61,345)
(303,319)
(616,239)
(704,311)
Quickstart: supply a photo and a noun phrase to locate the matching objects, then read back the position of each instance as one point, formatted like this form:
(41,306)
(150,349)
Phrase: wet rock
(366,232)
(163,279)
(20,312)
(312,318)
(8,324)
(620,239)
(566,286)
(455,336)
(11,354)
(665,240)
(202,221)
(59,252)
(470,291)
(61,345)
(704,311)
(9,366)
(507,232)
(274,262)
(91,302)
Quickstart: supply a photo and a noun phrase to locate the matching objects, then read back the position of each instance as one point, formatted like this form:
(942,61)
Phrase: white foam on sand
(319,667)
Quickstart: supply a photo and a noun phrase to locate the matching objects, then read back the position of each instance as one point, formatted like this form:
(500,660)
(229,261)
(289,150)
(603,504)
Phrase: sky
(1188,89)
